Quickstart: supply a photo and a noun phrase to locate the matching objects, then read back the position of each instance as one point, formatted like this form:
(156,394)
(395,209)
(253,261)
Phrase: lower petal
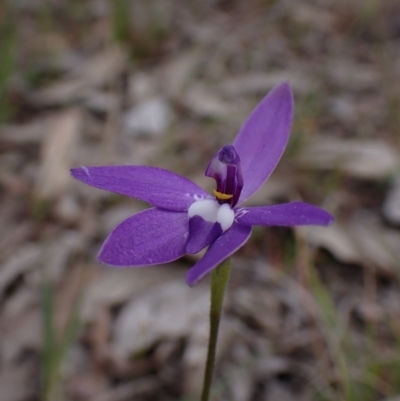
(147,238)
(201,234)
(286,214)
(221,249)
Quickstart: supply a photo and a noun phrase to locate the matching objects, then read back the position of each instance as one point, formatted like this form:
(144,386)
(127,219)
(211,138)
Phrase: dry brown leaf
(391,206)
(242,386)
(87,385)
(59,94)
(100,101)
(20,302)
(205,102)
(97,71)
(116,286)
(102,68)
(168,311)
(15,236)
(57,154)
(57,252)
(361,240)
(177,73)
(277,391)
(350,75)
(363,159)
(21,334)
(370,312)
(271,365)
(68,209)
(17,381)
(84,379)
(312,15)
(24,134)
(335,239)
(26,258)
(260,306)
(129,391)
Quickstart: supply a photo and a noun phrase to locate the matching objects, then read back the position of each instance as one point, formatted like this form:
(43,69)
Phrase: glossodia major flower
(185,218)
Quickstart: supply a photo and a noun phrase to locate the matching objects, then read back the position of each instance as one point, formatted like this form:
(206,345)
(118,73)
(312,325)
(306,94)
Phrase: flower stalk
(219,280)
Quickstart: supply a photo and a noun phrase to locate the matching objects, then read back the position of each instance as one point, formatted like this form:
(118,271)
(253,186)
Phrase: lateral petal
(263,138)
(157,186)
(286,214)
(147,238)
(219,250)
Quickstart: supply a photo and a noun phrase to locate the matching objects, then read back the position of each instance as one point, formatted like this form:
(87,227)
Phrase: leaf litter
(142,333)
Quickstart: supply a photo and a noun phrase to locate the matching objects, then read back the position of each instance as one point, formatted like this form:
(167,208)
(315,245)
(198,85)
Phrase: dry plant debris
(311,314)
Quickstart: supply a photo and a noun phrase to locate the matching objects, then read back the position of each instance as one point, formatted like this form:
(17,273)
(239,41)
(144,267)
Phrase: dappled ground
(311,313)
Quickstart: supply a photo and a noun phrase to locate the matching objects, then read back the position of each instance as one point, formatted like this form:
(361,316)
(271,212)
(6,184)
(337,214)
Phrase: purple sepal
(154,185)
(286,214)
(147,238)
(263,138)
(201,234)
(227,244)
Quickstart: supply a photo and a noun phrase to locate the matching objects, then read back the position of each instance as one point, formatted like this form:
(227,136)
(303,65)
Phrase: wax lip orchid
(185,218)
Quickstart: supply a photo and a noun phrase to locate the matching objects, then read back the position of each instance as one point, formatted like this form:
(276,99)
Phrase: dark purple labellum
(225,169)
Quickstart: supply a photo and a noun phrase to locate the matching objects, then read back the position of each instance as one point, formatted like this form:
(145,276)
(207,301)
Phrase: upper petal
(147,238)
(157,186)
(263,138)
(286,214)
(219,250)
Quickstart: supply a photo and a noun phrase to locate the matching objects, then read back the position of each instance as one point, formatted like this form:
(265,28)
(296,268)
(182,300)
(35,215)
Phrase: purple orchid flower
(185,218)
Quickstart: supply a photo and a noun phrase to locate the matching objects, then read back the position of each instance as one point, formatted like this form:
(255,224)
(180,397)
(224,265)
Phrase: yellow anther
(221,196)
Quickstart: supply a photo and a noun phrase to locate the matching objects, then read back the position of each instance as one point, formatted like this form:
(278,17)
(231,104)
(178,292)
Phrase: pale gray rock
(150,118)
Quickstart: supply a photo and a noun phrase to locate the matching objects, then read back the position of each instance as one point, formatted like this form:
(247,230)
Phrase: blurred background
(311,314)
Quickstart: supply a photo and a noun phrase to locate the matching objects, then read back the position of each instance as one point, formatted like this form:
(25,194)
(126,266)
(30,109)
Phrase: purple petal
(147,238)
(154,185)
(263,138)
(221,249)
(287,214)
(201,234)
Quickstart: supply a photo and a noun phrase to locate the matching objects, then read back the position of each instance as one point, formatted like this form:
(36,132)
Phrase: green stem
(219,279)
